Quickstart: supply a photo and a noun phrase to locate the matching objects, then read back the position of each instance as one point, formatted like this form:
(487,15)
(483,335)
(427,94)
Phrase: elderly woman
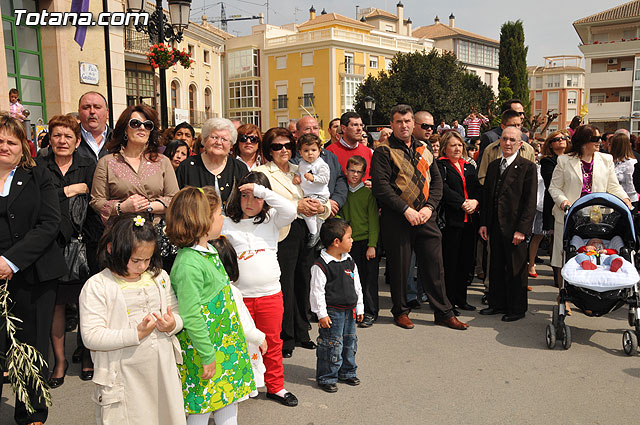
(30,258)
(554,145)
(460,194)
(294,256)
(72,175)
(214,167)
(249,146)
(177,151)
(582,171)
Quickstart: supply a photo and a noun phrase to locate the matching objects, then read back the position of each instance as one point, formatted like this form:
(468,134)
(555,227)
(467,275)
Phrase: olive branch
(23,362)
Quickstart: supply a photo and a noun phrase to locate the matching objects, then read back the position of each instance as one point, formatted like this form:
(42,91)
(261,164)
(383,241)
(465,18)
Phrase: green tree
(426,81)
(513,61)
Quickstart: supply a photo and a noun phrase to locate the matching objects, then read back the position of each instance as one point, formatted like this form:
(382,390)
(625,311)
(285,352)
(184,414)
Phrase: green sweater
(361,211)
(196,281)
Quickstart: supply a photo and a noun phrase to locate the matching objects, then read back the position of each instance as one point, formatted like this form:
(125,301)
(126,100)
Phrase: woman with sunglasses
(133,178)
(554,145)
(294,256)
(582,171)
(249,146)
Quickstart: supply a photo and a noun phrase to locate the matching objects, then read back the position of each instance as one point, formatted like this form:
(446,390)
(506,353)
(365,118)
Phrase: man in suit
(509,207)
(492,135)
(93,115)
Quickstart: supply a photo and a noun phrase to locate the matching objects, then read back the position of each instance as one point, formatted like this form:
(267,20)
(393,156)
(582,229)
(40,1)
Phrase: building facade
(558,86)
(611,47)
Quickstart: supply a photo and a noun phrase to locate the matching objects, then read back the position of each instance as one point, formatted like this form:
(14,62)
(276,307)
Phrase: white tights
(228,415)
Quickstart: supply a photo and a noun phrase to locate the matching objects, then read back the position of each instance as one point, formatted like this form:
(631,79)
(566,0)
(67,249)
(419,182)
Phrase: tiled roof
(440,30)
(223,34)
(627,10)
(380,12)
(329,17)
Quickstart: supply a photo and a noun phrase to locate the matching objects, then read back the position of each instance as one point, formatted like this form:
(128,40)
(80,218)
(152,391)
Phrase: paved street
(493,373)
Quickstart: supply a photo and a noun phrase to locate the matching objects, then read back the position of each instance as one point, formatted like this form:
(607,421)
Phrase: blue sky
(547,23)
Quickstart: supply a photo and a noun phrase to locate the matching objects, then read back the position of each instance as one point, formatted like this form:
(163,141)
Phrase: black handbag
(75,251)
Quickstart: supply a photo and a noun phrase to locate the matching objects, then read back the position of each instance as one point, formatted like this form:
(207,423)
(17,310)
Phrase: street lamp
(370,106)
(161,31)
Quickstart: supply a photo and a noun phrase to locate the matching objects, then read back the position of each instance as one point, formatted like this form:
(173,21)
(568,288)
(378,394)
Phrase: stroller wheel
(551,336)
(629,343)
(555,317)
(566,336)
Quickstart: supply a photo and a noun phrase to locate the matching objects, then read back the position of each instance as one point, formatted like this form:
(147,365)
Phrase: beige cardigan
(282,184)
(104,323)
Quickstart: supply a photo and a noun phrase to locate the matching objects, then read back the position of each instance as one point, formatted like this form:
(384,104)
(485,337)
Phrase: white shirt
(319,281)
(321,175)
(88,137)
(624,173)
(509,159)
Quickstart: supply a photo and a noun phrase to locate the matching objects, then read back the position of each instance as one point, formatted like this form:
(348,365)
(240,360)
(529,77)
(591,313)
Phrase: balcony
(609,80)
(136,42)
(609,111)
(196,118)
(281,102)
(610,49)
(306,100)
(350,68)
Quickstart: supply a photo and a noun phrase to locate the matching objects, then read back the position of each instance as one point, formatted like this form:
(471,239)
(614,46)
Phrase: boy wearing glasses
(361,212)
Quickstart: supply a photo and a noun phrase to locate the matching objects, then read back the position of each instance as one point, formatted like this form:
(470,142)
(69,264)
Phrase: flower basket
(184,59)
(163,56)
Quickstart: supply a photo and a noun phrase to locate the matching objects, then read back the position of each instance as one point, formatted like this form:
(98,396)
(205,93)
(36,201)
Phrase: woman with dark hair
(294,257)
(554,145)
(177,151)
(30,258)
(248,148)
(72,176)
(575,123)
(460,193)
(624,163)
(255,215)
(582,171)
(133,178)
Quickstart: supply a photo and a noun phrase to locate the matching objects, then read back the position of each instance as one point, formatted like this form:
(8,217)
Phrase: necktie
(503,165)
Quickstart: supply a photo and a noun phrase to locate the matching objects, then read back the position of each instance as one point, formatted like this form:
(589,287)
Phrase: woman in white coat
(581,171)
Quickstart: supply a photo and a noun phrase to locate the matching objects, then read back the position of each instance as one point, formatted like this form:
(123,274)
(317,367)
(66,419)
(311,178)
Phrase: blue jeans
(337,348)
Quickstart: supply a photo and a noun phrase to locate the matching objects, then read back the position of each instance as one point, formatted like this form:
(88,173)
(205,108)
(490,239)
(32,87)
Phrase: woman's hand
(564,205)
(296,180)
(371,253)
(628,202)
(263,347)
(134,203)
(166,322)
(208,370)
(75,189)
(470,205)
(246,188)
(5,270)
(145,327)
(309,207)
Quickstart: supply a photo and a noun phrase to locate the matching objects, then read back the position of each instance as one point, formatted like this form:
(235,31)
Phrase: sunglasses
(243,138)
(136,123)
(278,147)
(557,139)
(596,139)
(426,126)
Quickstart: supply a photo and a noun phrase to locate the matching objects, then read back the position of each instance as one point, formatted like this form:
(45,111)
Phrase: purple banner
(80,6)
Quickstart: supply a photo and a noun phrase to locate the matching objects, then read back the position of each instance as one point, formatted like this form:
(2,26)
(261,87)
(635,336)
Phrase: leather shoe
(414,304)
(403,321)
(329,388)
(453,323)
(288,400)
(467,307)
(57,382)
(350,381)
(512,317)
(286,354)
(490,311)
(86,375)
(309,345)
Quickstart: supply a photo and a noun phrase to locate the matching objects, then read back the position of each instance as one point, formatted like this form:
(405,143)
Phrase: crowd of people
(199,262)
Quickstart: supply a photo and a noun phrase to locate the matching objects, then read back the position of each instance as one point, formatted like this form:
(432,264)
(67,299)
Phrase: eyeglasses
(243,138)
(221,139)
(426,126)
(136,123)
(278,146)
(355,171)
(558,139)
(595,139)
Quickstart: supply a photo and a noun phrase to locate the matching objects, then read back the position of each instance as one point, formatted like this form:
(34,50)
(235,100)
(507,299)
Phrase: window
(247,117)
(192,103)
(281,62)
(349,87)
(373,62)
(348,63)
(192,51)
(572,97)
(573,80)
(387,64)
(538,82)
(140,85)
(206,57)
(174,95)
(598,67)
(243,63)
(472,71)
(244,94)
(283,122)
(207,103)
(571,112)
(307,59)
(601,38)
(281,99)
(389,28)
(596,98)
(538,95)
(552,100)
(636,100)
(553,81)
(488,79)
(626,65)
(477,54)
(307,95)
(625,96)
(637,71)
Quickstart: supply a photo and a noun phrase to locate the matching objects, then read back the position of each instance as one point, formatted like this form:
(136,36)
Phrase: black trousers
(400,239)
(368,271)
(458,249)
(507,273)
(295,260)
(33,304)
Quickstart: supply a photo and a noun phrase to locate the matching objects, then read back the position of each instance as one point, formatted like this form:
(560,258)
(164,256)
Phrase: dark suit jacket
(547,165)
(453,191)
(192,172)
(86,152)
(491,136)
(516,199)
(33,211)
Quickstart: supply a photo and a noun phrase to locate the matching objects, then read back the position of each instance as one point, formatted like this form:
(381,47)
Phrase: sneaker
(313,240)
(367,322)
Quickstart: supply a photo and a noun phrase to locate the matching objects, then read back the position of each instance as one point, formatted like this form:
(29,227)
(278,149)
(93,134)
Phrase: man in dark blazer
(509,207)
(93,114)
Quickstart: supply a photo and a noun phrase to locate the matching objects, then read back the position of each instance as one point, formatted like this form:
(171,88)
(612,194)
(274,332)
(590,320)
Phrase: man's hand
(324,323)
(425,214)
(334,208)
(517,238)
(413,217)
(483,232)
(371,253)
(5,271)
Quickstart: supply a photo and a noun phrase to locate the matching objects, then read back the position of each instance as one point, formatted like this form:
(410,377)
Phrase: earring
(125,139)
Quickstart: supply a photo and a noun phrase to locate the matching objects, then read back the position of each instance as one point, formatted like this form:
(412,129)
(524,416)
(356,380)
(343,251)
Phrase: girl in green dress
(216,372)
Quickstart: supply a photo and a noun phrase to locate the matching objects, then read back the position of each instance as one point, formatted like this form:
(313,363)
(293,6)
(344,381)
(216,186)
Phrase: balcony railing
(196,118)
(281,102)
(350,68)
(136,42)
(306,100)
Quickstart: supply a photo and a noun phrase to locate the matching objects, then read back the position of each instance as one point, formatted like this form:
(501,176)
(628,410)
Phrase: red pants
(267,313)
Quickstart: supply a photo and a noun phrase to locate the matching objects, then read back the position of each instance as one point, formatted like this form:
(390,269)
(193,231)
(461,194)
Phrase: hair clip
(201,190)
(138,221)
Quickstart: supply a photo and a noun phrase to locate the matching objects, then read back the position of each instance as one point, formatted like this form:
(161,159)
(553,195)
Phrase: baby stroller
(602,216)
